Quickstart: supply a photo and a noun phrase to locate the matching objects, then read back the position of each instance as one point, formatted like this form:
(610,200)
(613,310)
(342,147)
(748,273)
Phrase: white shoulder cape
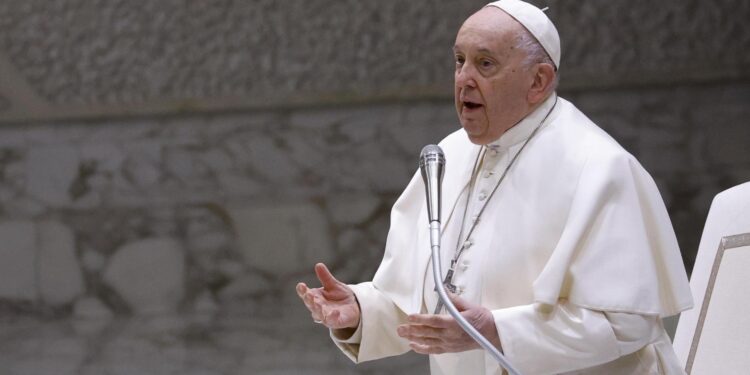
(592,216)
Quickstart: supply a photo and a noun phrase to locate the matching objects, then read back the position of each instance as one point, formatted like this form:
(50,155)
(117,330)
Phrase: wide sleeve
(617,251)
(376,335)
(567,337)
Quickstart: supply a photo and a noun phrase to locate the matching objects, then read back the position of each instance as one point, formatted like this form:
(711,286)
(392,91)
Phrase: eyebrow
(481,50)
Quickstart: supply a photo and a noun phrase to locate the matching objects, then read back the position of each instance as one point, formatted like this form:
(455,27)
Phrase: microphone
(432,165)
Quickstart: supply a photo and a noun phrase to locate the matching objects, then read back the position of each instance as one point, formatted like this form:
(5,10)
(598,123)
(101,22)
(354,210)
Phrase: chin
(475,139)
(479,141)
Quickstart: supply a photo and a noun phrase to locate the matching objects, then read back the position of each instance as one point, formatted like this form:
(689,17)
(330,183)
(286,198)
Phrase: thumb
(326,278)
(461,304)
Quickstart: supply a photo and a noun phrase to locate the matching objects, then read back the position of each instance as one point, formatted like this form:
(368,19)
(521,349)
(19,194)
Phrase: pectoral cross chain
(448,282)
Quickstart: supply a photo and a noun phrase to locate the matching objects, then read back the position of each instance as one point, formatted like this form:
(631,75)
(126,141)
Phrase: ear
(544,78)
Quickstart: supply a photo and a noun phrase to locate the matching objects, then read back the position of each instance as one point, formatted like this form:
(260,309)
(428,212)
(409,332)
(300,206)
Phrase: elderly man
(560,249)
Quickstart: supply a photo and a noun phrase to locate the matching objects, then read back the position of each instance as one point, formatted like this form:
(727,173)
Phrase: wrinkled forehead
(491,25)
(491,20)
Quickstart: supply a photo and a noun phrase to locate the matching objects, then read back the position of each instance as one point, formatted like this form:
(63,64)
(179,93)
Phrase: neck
(537,104)
(533,107)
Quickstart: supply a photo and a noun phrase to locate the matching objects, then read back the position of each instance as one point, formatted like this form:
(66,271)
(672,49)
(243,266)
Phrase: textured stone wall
(259,197)
(194,159)
(218,216)
(214,216)
(80,58)
(271,193)
(84,58)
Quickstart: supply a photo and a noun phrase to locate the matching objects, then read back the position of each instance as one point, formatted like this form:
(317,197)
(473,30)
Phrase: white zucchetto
(538,24)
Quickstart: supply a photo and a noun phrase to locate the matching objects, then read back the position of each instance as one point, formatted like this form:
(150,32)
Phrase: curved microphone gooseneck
(432,166)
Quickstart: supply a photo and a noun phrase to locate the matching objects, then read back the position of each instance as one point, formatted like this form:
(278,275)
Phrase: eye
(460,59)
(486,63)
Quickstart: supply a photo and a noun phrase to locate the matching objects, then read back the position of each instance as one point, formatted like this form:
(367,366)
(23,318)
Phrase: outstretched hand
(334,304)
(437,334)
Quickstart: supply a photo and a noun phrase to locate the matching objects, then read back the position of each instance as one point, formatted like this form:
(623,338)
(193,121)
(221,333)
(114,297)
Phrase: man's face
(491,84)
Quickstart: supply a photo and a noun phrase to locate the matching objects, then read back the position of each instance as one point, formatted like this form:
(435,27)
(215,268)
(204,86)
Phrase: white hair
(535,53)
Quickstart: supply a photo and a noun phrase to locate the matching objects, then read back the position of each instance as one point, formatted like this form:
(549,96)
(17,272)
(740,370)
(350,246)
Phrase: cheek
(506,98)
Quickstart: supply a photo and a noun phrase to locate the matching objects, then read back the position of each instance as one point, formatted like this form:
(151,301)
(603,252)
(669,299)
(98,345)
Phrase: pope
(561,251)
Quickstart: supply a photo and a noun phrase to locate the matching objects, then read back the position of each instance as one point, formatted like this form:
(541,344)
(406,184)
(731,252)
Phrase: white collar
(523,129)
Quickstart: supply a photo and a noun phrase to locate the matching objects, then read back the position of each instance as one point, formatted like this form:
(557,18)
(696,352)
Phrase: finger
(316,319)
(429,341)
(318,305)
(334,319)
(305,295)
(309,297)
(460,303)
(310,304)
(307,303)
(417,331)
(426,349)
(438,321)
(301,290)
(326,278)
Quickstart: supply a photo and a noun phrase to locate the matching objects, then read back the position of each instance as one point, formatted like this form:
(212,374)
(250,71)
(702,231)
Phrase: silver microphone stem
(431,163)
(465,325)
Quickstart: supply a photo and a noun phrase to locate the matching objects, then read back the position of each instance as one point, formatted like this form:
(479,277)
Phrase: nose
(465,76)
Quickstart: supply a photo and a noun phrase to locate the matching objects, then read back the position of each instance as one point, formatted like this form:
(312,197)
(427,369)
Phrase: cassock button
(493,151)
(488,174)
(467,244)
(482,196)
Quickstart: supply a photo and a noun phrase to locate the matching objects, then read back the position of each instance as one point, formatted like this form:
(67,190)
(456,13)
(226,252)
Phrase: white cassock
(574,255)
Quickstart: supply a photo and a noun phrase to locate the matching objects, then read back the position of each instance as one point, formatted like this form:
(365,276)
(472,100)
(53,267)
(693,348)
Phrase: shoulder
(455,140)
(591,150)
(596,145)
(456,146)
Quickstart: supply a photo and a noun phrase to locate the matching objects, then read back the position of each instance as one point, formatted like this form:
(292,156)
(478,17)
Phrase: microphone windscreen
(431,152)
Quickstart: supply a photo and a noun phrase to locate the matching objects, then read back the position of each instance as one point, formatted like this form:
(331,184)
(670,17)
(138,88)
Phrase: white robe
(575,256)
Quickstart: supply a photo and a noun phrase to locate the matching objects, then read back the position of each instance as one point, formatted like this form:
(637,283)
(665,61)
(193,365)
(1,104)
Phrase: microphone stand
(465,325)
(431,164)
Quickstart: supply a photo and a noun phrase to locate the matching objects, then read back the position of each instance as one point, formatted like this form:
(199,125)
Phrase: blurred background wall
(170,169)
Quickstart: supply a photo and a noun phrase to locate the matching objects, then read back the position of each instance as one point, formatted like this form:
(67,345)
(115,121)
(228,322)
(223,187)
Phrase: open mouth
(471,105)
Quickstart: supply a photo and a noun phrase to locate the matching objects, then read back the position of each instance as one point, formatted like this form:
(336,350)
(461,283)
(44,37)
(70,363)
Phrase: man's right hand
(334,304)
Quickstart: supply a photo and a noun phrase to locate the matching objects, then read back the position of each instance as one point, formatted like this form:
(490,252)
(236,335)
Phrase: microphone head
(432,166)
(431,153)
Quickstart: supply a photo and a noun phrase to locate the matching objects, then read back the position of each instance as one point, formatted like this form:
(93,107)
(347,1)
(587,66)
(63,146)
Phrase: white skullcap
(538,24)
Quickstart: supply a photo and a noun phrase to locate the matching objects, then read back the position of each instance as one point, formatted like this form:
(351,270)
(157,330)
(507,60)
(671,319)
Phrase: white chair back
(714,337)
